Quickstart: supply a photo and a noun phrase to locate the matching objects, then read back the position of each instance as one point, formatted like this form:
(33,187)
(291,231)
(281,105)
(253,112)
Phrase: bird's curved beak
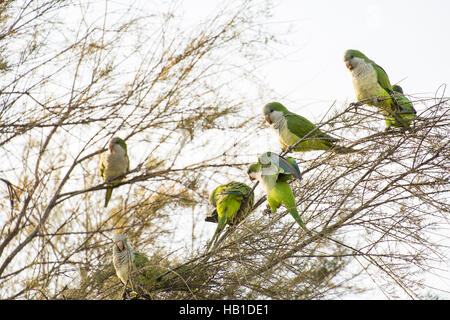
(267,118)
(110,147)
(251,175)
(348,65)
(119,245)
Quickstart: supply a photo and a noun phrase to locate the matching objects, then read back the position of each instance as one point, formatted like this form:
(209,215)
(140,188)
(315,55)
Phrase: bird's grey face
(252,175)
(349,60)
(120,245)
(114,144)
(352,61)
(271,115)
(252,172)
(120,241)
(267,110)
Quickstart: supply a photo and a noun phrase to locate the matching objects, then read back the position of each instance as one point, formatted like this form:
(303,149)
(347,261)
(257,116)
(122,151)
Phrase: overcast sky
(409,39)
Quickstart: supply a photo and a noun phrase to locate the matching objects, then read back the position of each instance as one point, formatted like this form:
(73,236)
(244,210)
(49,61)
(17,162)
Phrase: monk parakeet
(291,127)
(372,86)
(233,202)
(273,172)
(404,118)
(114,164)
(126,261)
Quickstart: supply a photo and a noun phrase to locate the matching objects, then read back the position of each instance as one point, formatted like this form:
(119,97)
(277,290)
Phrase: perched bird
(114,164)
(291,127)
(405,118)
(274,172)
(126,260)
(372,86)
(233,202)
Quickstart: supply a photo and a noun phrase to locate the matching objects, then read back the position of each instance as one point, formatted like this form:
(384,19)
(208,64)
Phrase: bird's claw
(125,294)
(355,105)
(267,210)
(108,180)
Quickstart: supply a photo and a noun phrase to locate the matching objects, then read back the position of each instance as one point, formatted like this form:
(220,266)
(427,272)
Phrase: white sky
(409,39)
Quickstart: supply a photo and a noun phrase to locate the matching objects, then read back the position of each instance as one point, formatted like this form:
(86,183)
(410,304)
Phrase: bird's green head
(397,88)
(253,170)
(115,142)
(272,111)
(353,57)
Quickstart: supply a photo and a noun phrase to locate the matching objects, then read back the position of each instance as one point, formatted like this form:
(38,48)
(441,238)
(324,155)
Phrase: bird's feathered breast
(114,164)
(123,262)
(365,81)
(285,135)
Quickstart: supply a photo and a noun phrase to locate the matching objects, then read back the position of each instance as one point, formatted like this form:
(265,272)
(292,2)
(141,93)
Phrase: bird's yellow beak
(119,245)
(267,118)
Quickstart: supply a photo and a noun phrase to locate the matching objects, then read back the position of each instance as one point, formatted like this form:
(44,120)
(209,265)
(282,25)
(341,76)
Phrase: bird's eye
(351,56)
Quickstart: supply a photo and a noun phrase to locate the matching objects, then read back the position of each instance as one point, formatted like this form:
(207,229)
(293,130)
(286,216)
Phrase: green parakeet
(372,85)
(273,172)
(126,261)
(291,127)
(114,164)
(233,202)
(403,118)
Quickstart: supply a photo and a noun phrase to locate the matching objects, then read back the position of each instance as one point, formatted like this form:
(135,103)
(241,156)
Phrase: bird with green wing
(404,118)
(114,164)
(232,203)
(372,87)
(290,128)
(274,172)
(127,262)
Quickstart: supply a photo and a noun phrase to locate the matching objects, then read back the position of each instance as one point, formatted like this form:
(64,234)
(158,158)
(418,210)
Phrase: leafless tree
(76,74)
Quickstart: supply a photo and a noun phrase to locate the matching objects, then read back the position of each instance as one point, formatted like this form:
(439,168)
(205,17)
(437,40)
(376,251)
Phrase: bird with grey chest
(114,164)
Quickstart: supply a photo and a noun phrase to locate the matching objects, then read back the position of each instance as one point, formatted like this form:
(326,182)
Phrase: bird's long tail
(108,196)
(344,150)
(227,215)
(220,226)
(294,213)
